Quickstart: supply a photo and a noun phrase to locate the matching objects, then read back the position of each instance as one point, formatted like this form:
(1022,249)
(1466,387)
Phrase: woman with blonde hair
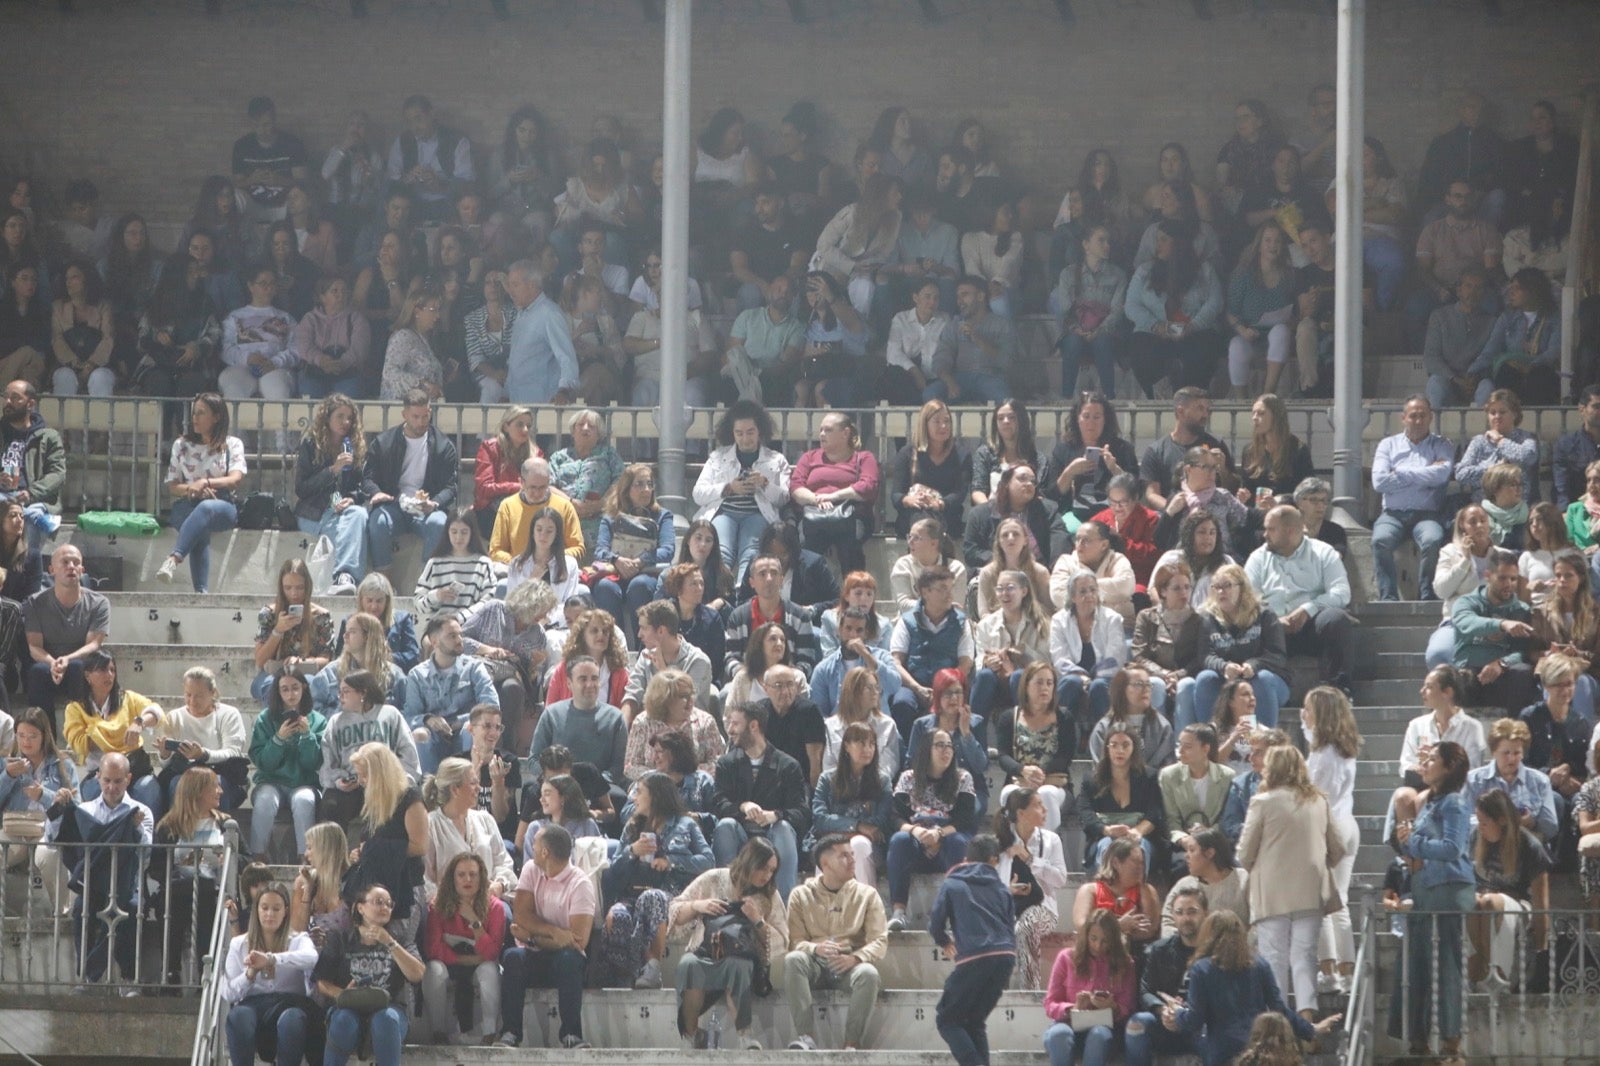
(409,361)
(1240,637)
(1462,562)
(669,707)
(498,470)
(364,648)
(634,545)
(191,875)
(861,700)
(1006,641)
(456,824)
(596,338)
(316,905)
(1334,741)
(375,596)
(1012,550)
(1290,845)
(328,469)
(586,469)
(933,472)
(397,825)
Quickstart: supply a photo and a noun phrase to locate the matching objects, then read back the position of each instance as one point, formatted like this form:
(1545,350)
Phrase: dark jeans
(92,955)
(1330,636)
(970,994)
(342,807)
(44,692)
(1515,687)
(906,857)
(1190,360)
(525,968)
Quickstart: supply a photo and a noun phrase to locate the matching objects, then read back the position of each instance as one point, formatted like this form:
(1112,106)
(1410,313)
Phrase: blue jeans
(739,535)
(265,803)
(1441,645)
(44,692)
(147,790)
(1060,1041)
(1442,392)
(348,531)
(524,968)
(1141,1047)
(242,1021)
(386,521)
(990,695)
(975,387)
(730,835)
(1423,937)
(1387,261)
(1086,699)
(1390,529)
(195,522)
(388,1028)
(1091,860)
(623,604)
(38,517)
(1182,702)
(906,857)
(1102,348)
(1270,689)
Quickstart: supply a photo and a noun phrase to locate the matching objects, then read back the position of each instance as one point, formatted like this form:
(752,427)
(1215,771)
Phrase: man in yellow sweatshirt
(514,517)
(837,931)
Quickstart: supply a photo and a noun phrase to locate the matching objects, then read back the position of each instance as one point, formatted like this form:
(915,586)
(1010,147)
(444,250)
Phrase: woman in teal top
(586,471)
(286,749)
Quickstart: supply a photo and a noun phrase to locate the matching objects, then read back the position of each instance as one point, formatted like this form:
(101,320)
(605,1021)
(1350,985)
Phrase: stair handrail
(1360,1018)
(210,1046)
(1578,246)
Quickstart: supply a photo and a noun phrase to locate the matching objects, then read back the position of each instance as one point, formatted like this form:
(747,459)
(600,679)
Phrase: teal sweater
(1479,638)
(292,764)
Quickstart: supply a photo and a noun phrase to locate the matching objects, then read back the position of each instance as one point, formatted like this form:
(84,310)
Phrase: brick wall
(146,96)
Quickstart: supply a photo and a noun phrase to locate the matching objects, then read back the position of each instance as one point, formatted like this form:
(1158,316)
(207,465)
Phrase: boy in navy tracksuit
(973,921)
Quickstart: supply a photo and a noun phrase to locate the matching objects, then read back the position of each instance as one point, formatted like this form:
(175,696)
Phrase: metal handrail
(1360,1038)
(210,1042)
(1578,244)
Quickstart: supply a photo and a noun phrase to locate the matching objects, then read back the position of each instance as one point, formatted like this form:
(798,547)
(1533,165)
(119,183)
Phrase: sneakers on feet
(575,1043)
(508,1040)
(168,569)
(343,585)
(802,1043)
(1327,984)
(897,922)
(749,1043)
(650,976)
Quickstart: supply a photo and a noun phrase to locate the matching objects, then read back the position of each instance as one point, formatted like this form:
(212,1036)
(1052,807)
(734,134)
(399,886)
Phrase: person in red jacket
(1134,523)
(498,471)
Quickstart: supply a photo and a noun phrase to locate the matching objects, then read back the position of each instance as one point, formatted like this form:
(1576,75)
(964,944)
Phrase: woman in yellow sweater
(106,721)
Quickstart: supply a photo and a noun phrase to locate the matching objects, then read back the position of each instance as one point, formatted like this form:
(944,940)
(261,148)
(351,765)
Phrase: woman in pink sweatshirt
(1096,975)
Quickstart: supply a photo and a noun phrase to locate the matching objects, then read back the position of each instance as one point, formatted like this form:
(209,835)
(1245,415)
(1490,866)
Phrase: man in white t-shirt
(410,482)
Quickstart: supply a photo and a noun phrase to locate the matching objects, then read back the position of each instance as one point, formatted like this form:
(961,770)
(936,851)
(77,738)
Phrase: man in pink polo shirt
(552,916)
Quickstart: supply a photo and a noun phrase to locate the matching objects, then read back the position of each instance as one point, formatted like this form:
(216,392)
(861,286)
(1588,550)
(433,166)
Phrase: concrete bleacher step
(160,667)
(1385,691)
(183,618)
(678,1055)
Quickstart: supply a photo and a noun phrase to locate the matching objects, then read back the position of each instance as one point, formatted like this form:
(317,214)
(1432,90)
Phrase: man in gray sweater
(594,732)
(1456,335)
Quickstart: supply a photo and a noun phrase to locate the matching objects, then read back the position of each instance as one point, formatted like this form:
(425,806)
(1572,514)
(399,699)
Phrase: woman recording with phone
(327,487)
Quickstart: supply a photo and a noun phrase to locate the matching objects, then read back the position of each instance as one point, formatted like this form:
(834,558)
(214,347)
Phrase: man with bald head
(64,623)
(542,366)
(513,520)
(1303,580)
(111,804)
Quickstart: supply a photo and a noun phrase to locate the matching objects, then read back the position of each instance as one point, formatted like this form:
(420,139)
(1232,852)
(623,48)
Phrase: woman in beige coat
(1291,838)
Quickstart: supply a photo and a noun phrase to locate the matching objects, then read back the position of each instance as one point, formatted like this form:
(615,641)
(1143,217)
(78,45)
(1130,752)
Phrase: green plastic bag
(119,523)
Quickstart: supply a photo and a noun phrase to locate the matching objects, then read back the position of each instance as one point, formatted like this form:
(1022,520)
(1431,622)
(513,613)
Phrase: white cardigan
(1107,636)
(445,842)
(1455,575)
(292,973)
(1115,574)
(723,466)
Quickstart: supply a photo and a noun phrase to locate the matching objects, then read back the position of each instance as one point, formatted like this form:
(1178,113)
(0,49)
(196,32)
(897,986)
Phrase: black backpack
(263,510)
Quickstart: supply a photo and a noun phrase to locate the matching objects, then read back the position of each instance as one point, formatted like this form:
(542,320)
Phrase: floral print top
(195,462)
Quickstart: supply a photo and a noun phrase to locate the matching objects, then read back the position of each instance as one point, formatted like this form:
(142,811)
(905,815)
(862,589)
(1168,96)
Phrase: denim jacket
(1439,838)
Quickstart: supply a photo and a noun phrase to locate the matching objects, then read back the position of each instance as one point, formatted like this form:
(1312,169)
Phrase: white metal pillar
(672,417)
(1349,419)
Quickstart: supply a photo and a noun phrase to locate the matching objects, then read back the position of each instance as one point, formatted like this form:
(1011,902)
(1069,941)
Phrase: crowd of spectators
(499,273)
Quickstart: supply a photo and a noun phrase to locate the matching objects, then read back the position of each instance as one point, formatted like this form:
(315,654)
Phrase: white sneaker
(168,569)
(897,923)
(650,976)
(802,1043)
(1327,984)
(749,1043)
(343,585)
(575,1043)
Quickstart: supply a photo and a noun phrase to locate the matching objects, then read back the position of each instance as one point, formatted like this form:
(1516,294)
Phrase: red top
(1139,537)
(1107,900)
(859,472)
(1066,982)
(561,689)
(487,939)
(492,480)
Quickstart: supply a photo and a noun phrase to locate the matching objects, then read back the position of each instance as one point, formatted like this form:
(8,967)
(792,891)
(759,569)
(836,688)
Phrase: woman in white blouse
(1460,570)
(265,964)
(207,467)
(1032,857)
(1334,742)
(995,255)
(456,823)
(1087,645)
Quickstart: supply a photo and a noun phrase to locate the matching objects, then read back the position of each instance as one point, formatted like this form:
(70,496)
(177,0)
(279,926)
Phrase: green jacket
(291,765)
(1479,638)
(1579,528)
(44,461)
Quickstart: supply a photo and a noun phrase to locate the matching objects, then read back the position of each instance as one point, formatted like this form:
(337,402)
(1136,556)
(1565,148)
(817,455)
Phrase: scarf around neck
(1502,520)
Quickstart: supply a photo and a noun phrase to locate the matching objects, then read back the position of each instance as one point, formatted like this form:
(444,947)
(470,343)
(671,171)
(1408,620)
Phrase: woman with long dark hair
(1175,303)
(1091,452)
(855,798)
(1177,202)
(935,802)
(1033,864)
(994,254)
(523,183)
(1522,352)
(1010,441)
(1122,800)
(293,631)
(740,488)
(701,546)
(286,750)
(216,212)
(1016,495)
(131,270)
(207,467)
(1172,164)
